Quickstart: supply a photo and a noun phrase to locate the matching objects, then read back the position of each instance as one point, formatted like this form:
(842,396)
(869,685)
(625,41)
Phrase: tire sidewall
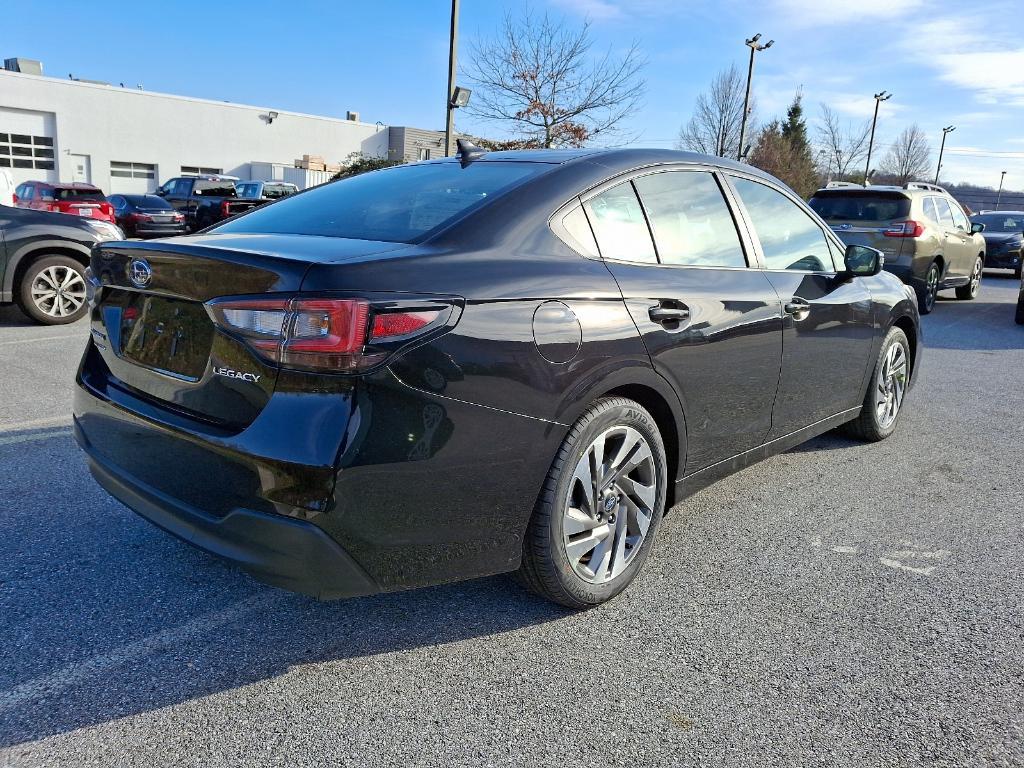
(926,298)
(895,336)
(616,415)
(28,306)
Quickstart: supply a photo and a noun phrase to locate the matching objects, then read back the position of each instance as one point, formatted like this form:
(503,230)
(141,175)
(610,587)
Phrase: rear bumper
(905,273)
(158,230)
(281,551)
(1004,260)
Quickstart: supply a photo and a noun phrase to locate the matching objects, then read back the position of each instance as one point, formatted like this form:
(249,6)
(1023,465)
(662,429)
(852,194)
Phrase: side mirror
(977,228)
(160,191)
(862,261)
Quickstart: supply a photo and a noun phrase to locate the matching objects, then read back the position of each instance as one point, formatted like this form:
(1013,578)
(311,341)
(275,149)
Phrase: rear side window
(945,214)
(691,220)
(274,191)
(619,225)
(929,209)
(860,206)
(790,239)
(401,204)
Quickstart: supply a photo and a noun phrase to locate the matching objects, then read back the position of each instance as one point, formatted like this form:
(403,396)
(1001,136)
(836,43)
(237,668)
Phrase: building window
(22,148)
(126,170)
(195,170)
(424,153)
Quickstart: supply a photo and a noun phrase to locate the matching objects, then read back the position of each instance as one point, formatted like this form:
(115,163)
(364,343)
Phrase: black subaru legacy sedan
(505,361)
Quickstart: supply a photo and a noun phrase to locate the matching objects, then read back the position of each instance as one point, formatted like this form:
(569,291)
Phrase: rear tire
(884,399)
(926,296)
(599,510)
(970,291)
(1019,316)
(52,290)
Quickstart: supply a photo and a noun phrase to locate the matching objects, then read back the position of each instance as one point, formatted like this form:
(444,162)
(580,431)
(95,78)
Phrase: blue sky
(387,59)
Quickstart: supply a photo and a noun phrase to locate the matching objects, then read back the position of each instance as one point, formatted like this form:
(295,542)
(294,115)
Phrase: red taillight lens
(400,323)
(225,209)
(319,334)
(139,217)
(909,228)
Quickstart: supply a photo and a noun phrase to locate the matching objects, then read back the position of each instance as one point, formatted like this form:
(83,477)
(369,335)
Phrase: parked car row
(182,204)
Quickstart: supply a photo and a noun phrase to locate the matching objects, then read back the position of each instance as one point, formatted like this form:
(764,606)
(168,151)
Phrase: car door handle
(665,314)
(797,307)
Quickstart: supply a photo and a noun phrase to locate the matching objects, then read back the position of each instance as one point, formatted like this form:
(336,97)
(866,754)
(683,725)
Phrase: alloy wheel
(58,291)
(609,505)
(932,286)
(891,385)
(979,266)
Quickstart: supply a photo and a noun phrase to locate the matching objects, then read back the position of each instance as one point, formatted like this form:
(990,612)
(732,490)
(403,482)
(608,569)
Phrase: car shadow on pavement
(104,616)
(992,326)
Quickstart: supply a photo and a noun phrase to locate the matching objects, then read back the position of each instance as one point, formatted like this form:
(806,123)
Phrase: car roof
(998,213)
(616,159)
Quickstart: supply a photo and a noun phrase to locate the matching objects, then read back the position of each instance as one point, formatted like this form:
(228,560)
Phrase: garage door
(28,145)
(129,178)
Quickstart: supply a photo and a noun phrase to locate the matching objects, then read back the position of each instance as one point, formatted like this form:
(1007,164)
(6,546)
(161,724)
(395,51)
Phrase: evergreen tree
(795,127)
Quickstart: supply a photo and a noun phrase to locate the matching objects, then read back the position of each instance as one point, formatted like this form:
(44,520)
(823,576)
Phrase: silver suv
(926,237)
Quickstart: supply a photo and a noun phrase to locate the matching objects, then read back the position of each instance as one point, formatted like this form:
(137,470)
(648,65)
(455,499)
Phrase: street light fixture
(945,132)
(999,194)
(879,98)
(752,43)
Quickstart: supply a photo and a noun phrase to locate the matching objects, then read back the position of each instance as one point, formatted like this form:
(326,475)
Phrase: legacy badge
(231,373)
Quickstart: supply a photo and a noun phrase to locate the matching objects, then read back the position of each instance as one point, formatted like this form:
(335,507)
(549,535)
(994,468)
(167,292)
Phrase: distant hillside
(984,198)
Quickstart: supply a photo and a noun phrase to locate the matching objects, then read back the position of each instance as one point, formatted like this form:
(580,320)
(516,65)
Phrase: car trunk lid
(156,337)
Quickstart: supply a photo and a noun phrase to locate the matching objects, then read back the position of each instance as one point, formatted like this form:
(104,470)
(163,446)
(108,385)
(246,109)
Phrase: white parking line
(77,673)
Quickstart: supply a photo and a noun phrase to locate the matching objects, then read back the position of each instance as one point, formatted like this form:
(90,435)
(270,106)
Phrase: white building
(130,140)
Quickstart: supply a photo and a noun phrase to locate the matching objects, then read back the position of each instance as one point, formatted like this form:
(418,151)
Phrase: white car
(264,190)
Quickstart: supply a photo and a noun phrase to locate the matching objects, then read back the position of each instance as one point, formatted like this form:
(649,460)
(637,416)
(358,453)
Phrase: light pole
(945,132)
(999,194)
(754,48)
(879,98)
(453,39)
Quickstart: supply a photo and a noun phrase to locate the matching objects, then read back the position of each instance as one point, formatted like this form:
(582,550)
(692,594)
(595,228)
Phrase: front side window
(401,204)
(790,239)
(959,218)
(691,220)
(619,225)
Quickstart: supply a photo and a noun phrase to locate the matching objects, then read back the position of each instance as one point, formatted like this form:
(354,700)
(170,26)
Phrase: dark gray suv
(43,257)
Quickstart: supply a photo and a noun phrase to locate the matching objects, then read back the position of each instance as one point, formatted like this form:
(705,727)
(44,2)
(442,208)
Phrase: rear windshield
(64,193)
(399,204)
(274,191)
(1000,222)
(214,189)
(860,206)
(147,201)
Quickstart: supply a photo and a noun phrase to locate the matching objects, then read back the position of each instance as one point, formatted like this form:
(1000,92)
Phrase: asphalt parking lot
(841,604)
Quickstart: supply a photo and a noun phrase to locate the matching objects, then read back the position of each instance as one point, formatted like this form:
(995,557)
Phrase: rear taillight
(179,217)
(225,209)
(139,217)
(334,335)
(909,228)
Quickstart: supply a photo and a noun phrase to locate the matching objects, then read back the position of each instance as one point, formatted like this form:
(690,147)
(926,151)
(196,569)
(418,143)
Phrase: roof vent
(25,66)
(352,116)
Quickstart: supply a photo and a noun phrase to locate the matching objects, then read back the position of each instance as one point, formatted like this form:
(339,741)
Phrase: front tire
(1019,316)
(970,291)
(926,296)
(52,290)
(600,507)
(884,398)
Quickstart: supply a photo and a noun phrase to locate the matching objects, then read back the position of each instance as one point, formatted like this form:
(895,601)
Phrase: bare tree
(714,128)
(845,145)
(909,156)
(541,79)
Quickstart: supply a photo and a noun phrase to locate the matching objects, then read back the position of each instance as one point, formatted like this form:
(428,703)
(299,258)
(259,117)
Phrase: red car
(73,197)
